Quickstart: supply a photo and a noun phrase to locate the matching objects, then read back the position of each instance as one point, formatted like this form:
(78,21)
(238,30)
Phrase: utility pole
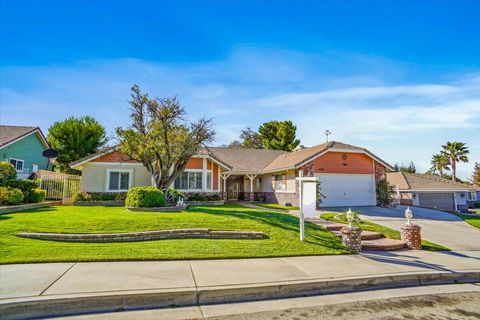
(327,133)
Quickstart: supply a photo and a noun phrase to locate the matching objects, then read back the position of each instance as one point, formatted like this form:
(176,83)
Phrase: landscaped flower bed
(99,199)
(204,199)
(14,192)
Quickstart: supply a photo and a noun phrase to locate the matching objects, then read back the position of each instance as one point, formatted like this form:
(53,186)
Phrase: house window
(278,185)
(118,180)
(189,180)
(18,164)
(209,180)
(472,196)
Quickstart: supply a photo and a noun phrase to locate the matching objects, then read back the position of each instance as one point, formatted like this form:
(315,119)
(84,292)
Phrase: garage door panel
(437,200)
(347,189)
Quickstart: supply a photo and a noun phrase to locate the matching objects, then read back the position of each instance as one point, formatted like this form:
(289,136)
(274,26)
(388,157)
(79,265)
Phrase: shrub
(36,195)
(26,186)
(477,204)
(81,196)
(203,197)
(145,197)
(384,193)
(10,196)
(99,196)
(120,196)
(176,194)
(7,172)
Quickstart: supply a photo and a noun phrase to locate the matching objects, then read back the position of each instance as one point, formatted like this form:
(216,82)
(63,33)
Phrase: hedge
(99,196)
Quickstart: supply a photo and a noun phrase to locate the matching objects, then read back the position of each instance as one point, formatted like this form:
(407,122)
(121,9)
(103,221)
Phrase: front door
(233,186)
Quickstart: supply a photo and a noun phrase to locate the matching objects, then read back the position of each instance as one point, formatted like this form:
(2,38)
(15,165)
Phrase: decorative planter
(157,209)
(100,203)
(205,203)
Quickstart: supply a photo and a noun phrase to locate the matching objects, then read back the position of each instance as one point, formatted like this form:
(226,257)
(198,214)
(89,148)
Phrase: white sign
(309,195)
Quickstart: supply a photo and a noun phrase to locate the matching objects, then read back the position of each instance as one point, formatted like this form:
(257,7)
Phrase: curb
(62,305)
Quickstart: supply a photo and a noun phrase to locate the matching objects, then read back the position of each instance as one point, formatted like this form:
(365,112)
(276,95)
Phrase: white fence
(59,186)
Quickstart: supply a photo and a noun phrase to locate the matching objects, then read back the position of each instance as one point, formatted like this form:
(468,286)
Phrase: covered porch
(239,186)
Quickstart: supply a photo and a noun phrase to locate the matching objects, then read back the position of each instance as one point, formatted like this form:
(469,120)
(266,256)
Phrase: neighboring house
(473,197)
(430,191)
(348,174)
(23,147)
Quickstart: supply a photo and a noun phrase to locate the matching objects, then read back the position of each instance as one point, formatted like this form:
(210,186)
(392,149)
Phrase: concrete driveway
(437,226)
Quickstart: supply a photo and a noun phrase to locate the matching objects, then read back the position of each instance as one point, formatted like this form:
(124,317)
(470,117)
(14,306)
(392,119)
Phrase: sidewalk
(179,281)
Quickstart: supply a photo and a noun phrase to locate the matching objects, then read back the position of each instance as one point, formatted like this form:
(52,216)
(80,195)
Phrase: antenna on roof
(327,133)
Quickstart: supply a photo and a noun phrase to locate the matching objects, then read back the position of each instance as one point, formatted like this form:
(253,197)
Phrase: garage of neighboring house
(437,200)
(429,191)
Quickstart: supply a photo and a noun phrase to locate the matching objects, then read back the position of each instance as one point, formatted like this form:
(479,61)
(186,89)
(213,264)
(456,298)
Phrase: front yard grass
(471,220)
(281,229)
(387,232)
(275,206)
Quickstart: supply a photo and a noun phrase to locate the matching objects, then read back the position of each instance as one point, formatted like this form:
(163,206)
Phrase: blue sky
(399,77)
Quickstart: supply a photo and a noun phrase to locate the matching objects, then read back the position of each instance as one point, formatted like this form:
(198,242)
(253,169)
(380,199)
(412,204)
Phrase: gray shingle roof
(11,133)
(412,181)
(245,159)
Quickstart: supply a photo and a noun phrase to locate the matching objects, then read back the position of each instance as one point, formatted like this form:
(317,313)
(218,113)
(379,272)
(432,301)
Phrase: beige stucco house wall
(94,175)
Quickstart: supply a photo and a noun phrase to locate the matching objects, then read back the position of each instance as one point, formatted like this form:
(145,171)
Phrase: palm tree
(439,163)
(456,152)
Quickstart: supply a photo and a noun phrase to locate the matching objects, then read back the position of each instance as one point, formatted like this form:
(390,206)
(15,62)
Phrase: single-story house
(23,147)
(430,191)
(348,174)
(473,197)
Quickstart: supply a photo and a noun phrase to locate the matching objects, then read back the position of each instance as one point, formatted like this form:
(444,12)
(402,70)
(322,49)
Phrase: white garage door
(342,190)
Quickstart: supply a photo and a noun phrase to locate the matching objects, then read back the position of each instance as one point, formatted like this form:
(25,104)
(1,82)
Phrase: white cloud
(363,100)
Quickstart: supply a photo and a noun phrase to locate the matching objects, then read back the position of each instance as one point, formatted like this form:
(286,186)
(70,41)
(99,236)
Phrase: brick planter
(157,209)
(411,236)
(145,236)
(352,238)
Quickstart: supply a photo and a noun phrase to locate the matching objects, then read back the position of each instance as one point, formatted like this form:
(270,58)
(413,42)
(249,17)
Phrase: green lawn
(472,220)
(275,206)
(281,230)
(387,232)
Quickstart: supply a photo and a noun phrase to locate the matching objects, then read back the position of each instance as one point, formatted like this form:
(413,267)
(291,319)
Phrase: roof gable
(302,156)
(414,181)
(12,134)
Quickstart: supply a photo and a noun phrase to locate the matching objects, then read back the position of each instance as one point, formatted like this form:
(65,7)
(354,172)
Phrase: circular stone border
(158,209)
(146,235)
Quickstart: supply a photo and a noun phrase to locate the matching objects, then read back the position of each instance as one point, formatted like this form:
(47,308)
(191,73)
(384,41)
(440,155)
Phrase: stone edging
(71,304)
(28,206)
(205,203)
(157,209)
(100,203)
(145,235)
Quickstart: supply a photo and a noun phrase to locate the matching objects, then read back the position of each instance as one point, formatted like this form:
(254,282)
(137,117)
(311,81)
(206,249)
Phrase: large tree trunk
(441,172)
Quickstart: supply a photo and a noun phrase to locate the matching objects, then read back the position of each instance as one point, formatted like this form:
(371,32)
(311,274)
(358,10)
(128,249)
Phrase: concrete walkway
(437,226)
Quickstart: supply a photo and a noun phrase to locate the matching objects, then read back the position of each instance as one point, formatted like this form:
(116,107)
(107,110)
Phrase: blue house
(23,147)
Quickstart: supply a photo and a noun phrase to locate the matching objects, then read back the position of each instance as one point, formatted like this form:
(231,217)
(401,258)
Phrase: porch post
(224,176)
(251,196)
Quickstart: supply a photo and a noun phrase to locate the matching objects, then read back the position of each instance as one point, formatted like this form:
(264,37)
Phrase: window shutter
(273,182)
(284,182)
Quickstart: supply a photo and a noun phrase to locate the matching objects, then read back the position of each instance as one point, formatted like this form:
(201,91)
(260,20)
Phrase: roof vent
(300,147)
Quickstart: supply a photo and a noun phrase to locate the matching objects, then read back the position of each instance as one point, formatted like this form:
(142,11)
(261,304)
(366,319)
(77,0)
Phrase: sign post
(302,220)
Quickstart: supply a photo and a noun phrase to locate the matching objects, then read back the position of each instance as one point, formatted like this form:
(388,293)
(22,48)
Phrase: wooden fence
(59,186)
